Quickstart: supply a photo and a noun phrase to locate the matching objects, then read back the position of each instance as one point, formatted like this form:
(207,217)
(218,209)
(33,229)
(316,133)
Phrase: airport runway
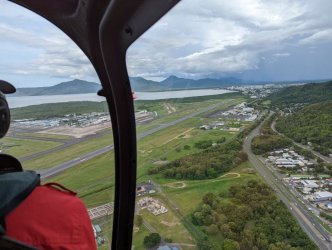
(66,165)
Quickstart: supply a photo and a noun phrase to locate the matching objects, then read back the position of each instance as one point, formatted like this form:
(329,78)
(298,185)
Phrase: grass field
(168,226)
(46,136)
(80,149)
(189,197)
(69,153)
(94,179)
(24,147)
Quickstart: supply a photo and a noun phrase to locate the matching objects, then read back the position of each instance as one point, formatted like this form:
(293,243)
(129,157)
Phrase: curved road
(308,223)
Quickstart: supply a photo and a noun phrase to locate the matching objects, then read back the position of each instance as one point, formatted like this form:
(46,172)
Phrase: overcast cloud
(250,39)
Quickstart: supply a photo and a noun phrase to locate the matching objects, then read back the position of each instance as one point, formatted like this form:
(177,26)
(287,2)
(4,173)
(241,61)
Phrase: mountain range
(138,84)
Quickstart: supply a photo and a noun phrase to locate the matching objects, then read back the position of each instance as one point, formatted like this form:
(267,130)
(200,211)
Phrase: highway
(307,221)
(66,165)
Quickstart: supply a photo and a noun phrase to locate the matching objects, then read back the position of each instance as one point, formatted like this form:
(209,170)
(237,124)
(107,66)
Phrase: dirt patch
(182,135)
(170,109)
(176,185)
(230,175)
(77,132)
(188,135)
(169,224)
(161,162)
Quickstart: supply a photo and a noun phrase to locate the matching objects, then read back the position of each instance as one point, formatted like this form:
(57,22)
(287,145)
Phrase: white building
(309,184)
(322,196)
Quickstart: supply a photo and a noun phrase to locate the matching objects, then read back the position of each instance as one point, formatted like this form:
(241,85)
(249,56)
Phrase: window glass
(60,127)
(204,78)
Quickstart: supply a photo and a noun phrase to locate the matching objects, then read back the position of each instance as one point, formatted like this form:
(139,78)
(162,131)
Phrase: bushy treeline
(310,124)
(206,164)
(251,217)
(51,110)
(211,162)
(266,143)
(268,140)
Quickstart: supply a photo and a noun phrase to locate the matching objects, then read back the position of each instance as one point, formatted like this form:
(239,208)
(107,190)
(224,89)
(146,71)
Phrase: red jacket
(50,218)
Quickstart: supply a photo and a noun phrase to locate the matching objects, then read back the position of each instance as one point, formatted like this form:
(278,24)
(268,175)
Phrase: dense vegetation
(308,94)
(250,217)
(209,163)
(51,110)
(266,143)
(312,124)
(268,140)
(152,240)
(206,164)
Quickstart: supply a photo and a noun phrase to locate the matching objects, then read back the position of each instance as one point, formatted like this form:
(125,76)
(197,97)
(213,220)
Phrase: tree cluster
(266,143)
(251,217)
(311,124)
(152,240)
(268,140)
(206,164)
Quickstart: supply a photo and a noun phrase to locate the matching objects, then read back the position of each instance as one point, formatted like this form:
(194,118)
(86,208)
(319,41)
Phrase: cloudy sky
(249,39)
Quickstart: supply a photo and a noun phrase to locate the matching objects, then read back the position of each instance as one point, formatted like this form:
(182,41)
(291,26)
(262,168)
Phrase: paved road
(65,144)
(308,222)
(66,165)
(279,176)
(36,138)
(323,157)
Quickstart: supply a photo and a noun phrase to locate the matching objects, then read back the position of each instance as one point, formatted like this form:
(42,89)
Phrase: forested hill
(308,94)
(313,124)
(72,87)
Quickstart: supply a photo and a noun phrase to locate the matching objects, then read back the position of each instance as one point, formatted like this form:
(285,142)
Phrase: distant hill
(64,88)
(308,94)
(173,82)
(138,84)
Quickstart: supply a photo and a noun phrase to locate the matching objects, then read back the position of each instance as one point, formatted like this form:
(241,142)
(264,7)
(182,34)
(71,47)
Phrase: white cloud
(323,36)
(197,38)
(281,54)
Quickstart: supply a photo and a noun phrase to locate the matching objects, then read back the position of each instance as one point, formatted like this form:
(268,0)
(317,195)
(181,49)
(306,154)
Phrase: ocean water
(23,101)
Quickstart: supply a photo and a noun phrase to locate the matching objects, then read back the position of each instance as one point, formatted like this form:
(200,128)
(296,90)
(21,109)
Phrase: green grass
(78,150)
(138,238)
(25,147)
(168,226)
(46,135)
(93,180)
(189,197)
(69,153)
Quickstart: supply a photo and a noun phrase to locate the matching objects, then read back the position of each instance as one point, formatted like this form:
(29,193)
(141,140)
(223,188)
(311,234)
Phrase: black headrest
(5,88)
